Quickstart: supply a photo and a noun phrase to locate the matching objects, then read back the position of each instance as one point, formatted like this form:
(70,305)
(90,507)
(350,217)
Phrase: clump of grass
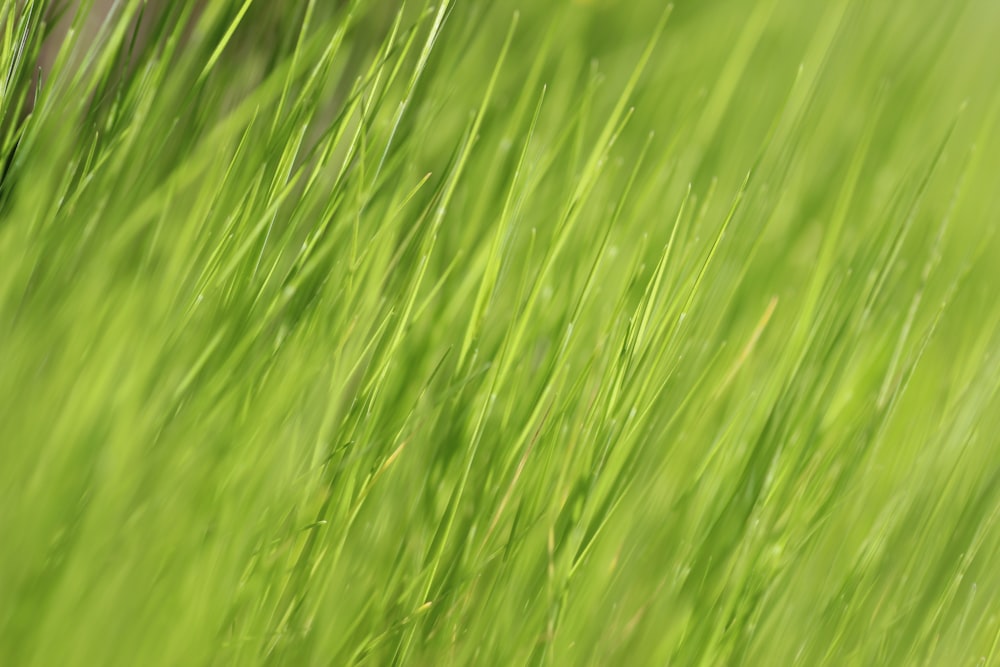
(506,333)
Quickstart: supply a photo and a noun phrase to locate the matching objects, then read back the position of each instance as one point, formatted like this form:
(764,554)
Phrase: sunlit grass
(502,333)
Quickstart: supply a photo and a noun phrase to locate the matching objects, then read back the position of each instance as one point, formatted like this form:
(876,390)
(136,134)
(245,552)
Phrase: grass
(502,333)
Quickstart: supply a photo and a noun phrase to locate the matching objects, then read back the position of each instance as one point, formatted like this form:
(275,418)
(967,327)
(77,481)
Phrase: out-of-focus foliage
(502,333)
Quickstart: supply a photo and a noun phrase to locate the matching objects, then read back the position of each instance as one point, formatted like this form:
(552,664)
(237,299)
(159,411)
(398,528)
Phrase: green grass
(544,333)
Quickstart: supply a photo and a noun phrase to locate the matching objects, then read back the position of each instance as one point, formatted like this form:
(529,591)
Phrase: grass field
(549,332)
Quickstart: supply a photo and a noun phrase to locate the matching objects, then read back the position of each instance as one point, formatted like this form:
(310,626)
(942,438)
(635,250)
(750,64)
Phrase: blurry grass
(448,334)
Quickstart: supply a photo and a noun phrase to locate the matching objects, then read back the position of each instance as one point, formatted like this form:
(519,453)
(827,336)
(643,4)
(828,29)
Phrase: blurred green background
(225,447)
